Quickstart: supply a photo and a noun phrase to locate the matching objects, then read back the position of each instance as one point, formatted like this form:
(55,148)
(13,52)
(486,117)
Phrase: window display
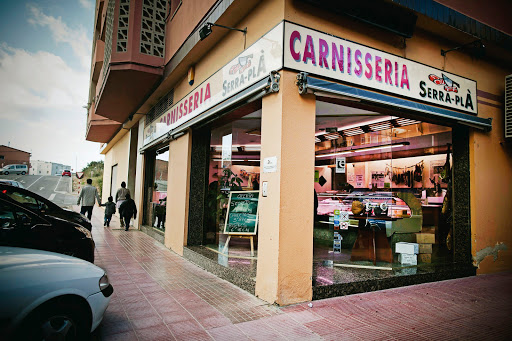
(383,185)
(234,171)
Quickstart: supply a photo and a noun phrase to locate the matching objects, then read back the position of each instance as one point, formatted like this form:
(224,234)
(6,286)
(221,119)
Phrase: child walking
(110,209)
(127,210)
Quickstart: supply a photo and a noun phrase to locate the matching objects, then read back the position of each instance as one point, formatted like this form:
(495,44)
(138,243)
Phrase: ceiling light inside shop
(353,131)
(405,122)
(366,149)
(332,136)
(235,148)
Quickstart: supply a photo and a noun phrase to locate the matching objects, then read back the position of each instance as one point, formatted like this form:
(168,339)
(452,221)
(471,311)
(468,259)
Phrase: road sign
(340,164)
(79,175)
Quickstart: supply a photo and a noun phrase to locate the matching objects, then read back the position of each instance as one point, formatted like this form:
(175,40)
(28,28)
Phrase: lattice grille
(508,106)
(152,33)
(122,25)
(165,103)
(108,35)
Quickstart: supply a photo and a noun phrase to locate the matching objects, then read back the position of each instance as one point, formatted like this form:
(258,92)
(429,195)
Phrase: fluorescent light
(332,154)
(365,149)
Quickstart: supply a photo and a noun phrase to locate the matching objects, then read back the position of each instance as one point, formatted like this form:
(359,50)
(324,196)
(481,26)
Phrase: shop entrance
(383,188)
(155,188)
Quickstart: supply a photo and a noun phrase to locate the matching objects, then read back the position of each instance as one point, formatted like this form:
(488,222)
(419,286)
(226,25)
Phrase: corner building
(319,149)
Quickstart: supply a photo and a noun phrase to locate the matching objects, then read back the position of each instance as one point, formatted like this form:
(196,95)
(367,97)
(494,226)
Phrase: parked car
(66,173)
(48,296)
(14,169)
(11,182)
(21,227)
(43,206)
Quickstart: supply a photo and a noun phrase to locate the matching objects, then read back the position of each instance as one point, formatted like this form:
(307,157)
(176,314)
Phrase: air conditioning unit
(508,107)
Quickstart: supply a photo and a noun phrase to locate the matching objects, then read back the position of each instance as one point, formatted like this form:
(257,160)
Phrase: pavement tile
(228,332)
(258,330)
(155,333)
(322,327)
(304,316)
(147,322)
(183,328)
(124,336)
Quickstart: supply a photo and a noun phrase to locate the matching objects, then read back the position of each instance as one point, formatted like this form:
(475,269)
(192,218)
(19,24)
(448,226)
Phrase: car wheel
(6,172)
(55,321)
(23,173)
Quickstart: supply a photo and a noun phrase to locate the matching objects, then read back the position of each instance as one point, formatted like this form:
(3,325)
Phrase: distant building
(41,168)
(9,156)
(47,168)
(58,168)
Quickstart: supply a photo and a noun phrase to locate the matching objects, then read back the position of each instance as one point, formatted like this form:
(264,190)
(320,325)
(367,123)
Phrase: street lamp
(206,30)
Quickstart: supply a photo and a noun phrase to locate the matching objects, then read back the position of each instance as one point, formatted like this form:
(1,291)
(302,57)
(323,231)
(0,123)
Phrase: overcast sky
(45,61)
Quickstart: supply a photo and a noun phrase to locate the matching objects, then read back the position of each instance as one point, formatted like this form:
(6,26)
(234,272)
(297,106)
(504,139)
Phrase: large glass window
(157,166)
(230,224)
(383,195)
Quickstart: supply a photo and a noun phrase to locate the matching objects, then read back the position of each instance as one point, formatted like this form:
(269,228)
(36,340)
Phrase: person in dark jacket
(110,209)
(127,210)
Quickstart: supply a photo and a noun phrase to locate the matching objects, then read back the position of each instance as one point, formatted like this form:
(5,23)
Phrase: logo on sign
(450,95)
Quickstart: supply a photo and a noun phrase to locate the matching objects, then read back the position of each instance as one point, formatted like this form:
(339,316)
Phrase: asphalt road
(54,188)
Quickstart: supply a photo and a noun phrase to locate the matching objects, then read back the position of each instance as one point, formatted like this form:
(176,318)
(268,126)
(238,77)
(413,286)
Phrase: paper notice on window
(270,164)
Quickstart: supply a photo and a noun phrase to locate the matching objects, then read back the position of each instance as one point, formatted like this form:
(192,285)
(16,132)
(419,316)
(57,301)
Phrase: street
(55,188)
(159,295)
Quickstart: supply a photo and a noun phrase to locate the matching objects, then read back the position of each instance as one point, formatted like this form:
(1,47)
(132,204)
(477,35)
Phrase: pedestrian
(87,196)
(110,209)
(127,210)
(120,198)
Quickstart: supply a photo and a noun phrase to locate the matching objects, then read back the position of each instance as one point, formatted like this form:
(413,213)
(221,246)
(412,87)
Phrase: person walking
(127,210)
(87,196)
(120,198)
(110,209)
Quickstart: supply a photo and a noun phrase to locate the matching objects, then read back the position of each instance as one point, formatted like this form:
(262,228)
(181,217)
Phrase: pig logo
(449,85)
(244,62)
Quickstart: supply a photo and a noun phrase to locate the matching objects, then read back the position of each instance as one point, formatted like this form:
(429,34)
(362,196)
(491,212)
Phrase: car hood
(14,258)
(75,217)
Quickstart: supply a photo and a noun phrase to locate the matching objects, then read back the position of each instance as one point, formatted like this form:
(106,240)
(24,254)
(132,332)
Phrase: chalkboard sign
(242,215)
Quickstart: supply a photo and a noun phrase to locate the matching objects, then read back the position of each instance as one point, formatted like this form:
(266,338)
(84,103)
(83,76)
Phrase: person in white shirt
(87,195)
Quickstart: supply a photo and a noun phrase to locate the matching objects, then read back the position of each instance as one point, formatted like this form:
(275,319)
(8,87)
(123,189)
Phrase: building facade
(305,149)
(10,156)
(41,168)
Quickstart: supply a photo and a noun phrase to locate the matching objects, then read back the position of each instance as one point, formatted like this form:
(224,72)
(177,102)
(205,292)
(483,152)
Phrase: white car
(49,296)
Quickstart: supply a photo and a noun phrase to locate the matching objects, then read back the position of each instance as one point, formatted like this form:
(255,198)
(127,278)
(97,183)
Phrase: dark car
(66,173)
(21,227)
(40,205)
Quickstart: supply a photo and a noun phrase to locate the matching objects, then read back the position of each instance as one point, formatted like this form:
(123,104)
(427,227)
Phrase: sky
(45,63)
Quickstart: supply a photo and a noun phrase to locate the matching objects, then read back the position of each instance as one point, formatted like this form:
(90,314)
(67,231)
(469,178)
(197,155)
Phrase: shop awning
(254,92)
(321,87)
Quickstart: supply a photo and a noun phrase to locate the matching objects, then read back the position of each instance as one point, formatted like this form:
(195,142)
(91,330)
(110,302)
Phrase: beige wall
(178,186)
(285,236)
(118,154)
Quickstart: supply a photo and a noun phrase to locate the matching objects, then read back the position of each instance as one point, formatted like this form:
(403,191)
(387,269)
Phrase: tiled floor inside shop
(159,295)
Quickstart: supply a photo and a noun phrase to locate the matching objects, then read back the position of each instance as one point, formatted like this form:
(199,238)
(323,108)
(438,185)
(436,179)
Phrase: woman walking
(120,198)
(127,210)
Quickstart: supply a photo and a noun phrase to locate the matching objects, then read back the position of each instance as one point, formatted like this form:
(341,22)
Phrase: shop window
(156,188)
(383,195)
(233,189)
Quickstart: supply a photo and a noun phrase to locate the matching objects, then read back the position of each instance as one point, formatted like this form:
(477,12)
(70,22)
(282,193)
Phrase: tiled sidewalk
(159,295)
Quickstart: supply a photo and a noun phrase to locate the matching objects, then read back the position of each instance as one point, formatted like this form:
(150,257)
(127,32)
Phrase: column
(178,185)
(285,237)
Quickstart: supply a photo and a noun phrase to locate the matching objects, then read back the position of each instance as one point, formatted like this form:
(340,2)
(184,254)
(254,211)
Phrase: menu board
(242,215)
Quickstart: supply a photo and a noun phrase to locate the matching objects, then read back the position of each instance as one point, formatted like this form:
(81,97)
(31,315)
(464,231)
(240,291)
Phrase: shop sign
(325,55)
(249,67)
(242,214)
(340,164)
